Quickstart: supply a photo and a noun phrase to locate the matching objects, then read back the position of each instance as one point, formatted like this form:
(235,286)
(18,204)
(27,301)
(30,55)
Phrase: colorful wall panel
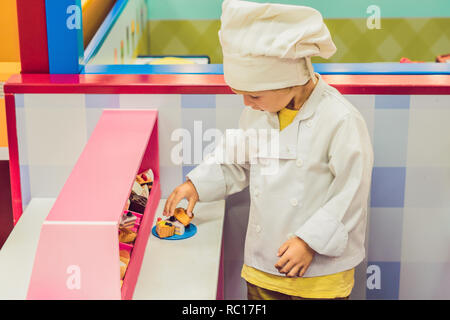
(413,29)
(407,238)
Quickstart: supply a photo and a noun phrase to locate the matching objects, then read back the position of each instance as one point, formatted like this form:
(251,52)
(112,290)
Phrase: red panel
(6,214)
(33,36)
(14,167)
(215,84)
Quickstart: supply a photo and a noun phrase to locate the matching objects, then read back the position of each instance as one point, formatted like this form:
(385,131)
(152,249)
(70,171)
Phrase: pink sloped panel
(76,262)
(78,251)
(101,180)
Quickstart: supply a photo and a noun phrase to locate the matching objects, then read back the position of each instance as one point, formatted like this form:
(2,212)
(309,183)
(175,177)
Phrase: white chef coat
(320,192)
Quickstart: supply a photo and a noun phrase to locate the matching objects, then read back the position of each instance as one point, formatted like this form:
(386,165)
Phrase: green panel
(186,37)
(211,9)
(418,39)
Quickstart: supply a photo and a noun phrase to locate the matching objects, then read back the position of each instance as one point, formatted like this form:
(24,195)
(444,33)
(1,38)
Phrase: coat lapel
(287,145)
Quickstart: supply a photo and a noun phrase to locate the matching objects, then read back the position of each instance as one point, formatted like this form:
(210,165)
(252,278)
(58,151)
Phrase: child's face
(268,100)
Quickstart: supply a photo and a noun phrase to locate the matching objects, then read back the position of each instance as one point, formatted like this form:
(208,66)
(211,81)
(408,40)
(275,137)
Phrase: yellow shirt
(329,286)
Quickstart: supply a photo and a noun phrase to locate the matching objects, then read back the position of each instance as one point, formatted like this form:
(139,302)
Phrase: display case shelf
(78,251)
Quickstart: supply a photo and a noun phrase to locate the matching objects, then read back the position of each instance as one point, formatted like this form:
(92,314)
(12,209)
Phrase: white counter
(171,269)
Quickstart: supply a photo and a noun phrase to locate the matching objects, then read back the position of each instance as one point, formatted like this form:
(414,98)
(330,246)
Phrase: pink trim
(14,167)
(214,84)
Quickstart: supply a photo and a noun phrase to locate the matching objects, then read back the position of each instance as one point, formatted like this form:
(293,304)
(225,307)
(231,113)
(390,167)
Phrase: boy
(307,222)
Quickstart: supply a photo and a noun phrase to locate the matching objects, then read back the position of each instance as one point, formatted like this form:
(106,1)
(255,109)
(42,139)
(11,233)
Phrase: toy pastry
(123,269)
(137,203)
(127,205)
(145,179)
(127,220)
(182,216)
(140,190)
(179,227)
(126,236)
(124,256)
(165,229)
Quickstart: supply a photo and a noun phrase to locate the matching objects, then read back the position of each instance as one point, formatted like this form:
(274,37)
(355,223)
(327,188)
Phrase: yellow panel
(3,134)
(9,32)
(7,69)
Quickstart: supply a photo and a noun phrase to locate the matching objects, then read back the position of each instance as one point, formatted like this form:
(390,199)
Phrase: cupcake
(182,216)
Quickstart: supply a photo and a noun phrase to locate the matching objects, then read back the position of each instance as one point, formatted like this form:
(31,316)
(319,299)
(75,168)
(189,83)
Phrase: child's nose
(248,102)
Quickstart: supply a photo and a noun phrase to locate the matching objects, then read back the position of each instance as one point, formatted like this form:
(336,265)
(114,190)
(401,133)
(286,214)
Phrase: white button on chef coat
(309,123)
(325,202)
(256,192)
(258,228)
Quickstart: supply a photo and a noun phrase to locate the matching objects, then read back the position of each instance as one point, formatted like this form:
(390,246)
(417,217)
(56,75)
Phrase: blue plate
(189,231)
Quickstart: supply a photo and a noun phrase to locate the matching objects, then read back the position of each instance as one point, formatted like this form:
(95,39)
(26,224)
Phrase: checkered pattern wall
(409,222)
(416,38)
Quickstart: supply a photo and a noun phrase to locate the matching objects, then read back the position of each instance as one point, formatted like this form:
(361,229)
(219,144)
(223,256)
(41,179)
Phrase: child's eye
(253,97)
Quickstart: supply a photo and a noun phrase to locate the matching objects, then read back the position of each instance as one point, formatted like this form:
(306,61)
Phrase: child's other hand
(185,190)
(296,256)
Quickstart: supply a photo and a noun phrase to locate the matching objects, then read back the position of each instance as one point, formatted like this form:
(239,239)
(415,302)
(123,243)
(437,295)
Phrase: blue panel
(388,187)
(186,170)
(382,68)
(102,101)
(65,36)
(154,69)
(383,279)
(392,101)
(19,100)
(25,185)
(198,101)
(322,68)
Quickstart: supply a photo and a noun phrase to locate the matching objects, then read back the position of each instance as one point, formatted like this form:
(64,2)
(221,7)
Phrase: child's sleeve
(351,162)
(214,181)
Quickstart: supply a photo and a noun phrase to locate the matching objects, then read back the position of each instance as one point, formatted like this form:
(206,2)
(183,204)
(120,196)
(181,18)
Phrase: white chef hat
(268,46)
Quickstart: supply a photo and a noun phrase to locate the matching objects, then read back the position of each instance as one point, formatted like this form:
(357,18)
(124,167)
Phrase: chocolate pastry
(137,203)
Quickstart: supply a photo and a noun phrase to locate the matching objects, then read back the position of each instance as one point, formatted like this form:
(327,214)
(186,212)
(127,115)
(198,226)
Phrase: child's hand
(296,256)
(185,190)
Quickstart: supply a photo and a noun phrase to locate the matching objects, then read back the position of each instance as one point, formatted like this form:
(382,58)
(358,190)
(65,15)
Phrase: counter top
(170,268)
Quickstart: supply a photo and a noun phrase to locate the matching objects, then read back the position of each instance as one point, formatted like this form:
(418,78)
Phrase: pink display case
(78,251)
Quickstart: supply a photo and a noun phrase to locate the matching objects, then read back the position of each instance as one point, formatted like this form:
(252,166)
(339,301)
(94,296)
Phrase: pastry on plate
(179,227)
(182,216)
(165,229)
